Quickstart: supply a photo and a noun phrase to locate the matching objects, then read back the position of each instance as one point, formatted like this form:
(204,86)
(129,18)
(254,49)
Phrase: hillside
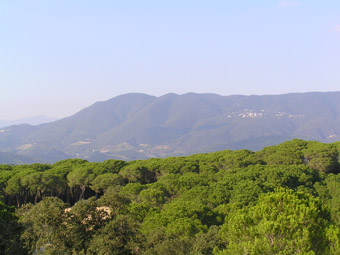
(139,126)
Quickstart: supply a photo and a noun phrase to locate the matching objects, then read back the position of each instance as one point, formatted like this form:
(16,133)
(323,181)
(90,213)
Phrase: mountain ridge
(34,120)
(139,126)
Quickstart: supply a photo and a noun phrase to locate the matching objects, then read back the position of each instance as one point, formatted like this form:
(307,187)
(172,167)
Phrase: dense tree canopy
(283,199)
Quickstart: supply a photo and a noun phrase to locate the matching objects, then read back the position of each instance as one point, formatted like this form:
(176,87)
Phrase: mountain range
(139,126)
(35,120)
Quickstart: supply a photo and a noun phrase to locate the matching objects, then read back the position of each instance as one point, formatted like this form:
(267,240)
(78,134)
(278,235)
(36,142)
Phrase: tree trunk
(82,188)
(68,195)
(18,201)
(36,197)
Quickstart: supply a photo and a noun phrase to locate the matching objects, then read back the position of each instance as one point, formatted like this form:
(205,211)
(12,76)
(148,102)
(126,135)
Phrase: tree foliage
(283,199)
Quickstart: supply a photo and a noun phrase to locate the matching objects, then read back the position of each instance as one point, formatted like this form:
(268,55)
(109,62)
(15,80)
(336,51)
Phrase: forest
(283,199)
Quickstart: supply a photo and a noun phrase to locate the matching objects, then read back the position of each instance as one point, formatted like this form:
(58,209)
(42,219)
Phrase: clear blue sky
(58,56)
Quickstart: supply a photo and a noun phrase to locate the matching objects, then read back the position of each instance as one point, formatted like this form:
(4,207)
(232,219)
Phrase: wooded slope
(283,199)
(139,126)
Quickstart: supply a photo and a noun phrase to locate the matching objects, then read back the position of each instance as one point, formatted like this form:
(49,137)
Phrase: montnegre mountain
(139,126)
(35,120)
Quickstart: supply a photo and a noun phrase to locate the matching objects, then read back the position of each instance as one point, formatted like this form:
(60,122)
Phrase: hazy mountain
(8,158)
(137,126)
(35,120)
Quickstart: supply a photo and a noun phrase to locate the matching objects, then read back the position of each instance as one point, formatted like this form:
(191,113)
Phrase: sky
(59,56)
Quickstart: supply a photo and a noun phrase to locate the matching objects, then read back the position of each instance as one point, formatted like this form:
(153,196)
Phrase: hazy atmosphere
(186,127)
(57,57)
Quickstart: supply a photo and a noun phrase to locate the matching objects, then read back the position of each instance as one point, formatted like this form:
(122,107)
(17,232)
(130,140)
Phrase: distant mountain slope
(8,158)
(35,120)
(137,126)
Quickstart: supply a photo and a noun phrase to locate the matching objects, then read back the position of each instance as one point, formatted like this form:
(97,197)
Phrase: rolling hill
(35,120)
(139,126)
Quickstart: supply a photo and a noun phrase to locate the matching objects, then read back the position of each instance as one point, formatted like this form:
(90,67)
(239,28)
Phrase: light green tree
(282,222)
